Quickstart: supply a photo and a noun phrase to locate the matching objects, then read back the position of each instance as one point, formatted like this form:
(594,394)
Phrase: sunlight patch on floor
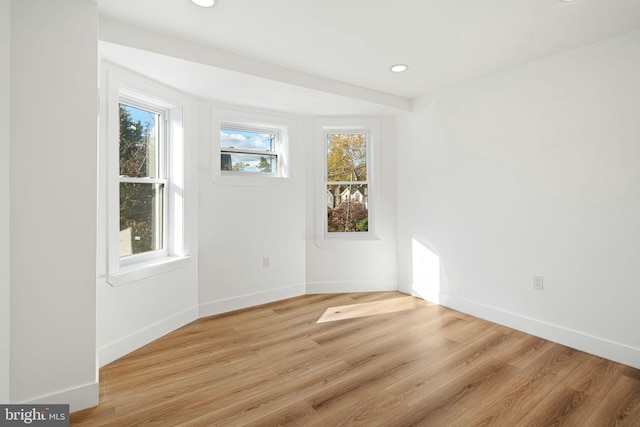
(373,308)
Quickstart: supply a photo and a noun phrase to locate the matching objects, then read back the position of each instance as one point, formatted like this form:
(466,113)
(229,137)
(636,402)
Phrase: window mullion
(125,179)
(241,151)
(346,182)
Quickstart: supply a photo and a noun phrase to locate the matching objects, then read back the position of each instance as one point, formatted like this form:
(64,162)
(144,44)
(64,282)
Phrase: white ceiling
(354,42)
(231,87)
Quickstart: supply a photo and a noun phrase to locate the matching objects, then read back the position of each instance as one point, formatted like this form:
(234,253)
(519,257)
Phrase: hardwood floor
(375,359)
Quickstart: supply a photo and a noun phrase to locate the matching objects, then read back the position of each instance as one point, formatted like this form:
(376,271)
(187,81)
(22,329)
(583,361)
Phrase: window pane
(138,142)
(347,157)
(240,162)
(140,218)
(347,208)
(247,140)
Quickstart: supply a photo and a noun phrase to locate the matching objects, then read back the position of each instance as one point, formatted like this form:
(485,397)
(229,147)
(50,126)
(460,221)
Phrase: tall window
(250,149)
(346,182)
(142,178)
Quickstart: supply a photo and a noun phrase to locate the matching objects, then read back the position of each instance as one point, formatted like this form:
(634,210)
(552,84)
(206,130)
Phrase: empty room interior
(428,179)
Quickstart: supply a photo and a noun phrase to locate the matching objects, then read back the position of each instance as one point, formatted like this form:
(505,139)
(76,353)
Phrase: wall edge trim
(78,398)
(352,286)
(597,346)
(125,345)
(226,305)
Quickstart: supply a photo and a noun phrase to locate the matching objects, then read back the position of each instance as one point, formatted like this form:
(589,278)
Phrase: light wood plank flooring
(375,359)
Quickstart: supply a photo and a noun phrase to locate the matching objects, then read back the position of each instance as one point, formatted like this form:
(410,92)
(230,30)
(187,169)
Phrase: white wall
(5,249)
(353,266)
(534,170)
(53,201)
(136,313)
(244,220)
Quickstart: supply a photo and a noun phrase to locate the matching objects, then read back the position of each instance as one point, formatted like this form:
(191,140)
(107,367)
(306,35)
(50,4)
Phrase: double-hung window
(144,166)
(143,182)
(250,149)
(346,181)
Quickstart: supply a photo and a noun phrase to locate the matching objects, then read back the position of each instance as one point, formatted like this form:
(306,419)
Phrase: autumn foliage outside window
(346,182)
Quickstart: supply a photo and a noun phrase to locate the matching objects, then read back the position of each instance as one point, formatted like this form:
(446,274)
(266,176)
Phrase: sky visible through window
(231,139)
(147,118)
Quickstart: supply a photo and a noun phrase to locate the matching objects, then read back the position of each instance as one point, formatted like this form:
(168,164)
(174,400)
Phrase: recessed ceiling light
(399,68)
(205,3)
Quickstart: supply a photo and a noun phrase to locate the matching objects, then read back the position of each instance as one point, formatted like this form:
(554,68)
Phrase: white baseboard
(135,340)
(601,347)
(226,305)
(405,287)
(78,398)
(420,291)
(352,286)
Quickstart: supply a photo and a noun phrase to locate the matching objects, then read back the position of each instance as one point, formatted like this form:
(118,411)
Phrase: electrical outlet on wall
(266,262)
(538,283)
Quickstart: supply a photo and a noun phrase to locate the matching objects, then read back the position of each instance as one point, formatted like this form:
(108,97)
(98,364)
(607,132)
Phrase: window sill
(251,180)
(347,239)
(147,269)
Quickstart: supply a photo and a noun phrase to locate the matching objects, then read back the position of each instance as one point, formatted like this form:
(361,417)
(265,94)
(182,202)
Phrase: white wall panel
(136,313)
(354,266)
(245,219)
(533,171)
(54,110)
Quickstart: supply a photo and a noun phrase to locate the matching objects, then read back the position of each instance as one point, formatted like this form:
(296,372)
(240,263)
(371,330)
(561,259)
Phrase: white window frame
(370,127)
(254,121)
(131,89)
(165,116)
(277,149)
